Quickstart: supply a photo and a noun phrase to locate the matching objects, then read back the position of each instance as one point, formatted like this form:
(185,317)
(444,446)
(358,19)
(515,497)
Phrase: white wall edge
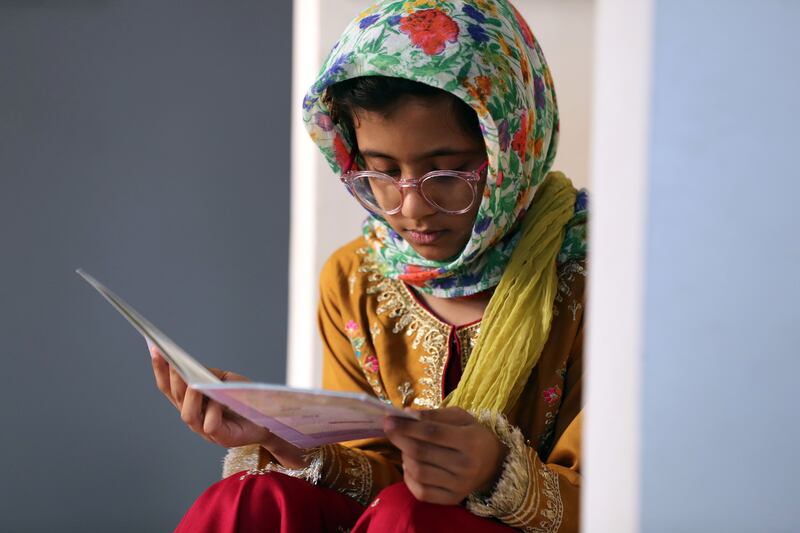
(301,338)
(619,163)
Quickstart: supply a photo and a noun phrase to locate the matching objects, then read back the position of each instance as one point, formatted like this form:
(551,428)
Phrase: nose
(414,205)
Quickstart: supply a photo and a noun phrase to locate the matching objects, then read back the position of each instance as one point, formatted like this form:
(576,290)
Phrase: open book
(304,417)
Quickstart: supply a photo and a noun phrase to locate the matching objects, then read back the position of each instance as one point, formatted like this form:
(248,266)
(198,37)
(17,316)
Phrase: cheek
(462,227)
(394,222)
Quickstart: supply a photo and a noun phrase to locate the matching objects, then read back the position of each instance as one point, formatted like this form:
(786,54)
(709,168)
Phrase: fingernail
(150,347)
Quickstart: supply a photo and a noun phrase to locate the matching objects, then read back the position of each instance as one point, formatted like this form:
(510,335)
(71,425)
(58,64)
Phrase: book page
(189,369)
(303,417)
(307,417)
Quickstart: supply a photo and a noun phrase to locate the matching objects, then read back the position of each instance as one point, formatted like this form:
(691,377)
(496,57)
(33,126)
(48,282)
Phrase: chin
(433,255)
(437,253)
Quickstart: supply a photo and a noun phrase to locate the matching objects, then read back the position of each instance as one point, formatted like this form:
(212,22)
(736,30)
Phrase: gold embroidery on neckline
(406,391)
(467,338)
(396,301)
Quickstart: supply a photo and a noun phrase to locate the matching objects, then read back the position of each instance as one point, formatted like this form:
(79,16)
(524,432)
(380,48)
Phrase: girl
(463,298)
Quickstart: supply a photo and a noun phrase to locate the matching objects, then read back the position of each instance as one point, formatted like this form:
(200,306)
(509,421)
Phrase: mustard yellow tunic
(378,338)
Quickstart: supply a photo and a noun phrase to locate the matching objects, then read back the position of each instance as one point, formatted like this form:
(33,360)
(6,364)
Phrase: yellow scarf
(516,324)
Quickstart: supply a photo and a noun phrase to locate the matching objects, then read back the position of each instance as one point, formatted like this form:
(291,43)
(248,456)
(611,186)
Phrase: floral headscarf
(483,52)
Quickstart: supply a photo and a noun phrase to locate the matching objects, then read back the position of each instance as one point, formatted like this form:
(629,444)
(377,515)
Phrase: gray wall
(147,142)
(721,329)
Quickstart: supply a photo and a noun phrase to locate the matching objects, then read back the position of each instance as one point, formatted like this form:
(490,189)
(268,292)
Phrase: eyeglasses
(450,191)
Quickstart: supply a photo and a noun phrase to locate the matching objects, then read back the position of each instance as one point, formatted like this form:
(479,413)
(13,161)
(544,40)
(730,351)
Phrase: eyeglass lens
(447,192)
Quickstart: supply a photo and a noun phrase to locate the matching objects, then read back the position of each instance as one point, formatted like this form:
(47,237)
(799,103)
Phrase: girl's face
(418,136)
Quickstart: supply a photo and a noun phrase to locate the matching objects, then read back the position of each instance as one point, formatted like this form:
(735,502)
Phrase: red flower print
(371,364)
(527,34)
(351,327)
(552,395)
(520,140)
(417,276)
(430,29)
(341,152)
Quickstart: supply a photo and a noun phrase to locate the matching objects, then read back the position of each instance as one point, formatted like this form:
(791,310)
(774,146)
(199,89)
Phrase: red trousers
(275,502)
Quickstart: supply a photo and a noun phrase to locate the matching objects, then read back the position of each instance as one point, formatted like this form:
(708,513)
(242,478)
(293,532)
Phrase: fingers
(177,385)
(441,461)
(192,410)
(227,375)
(205,417)
(430,493)
(428,474)
(441,434)
(212,423)
(445,459)
(168,381)
(161,373)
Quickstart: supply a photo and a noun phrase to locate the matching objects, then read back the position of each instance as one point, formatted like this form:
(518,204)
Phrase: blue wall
(722,337)
(147,142)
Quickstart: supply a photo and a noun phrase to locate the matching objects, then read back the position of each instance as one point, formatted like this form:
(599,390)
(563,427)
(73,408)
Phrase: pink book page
(306,418)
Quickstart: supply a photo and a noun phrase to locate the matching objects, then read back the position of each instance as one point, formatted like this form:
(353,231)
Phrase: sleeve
(359,469)
(533,494)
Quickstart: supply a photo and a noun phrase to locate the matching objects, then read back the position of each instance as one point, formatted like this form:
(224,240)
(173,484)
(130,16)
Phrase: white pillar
(620,158)
(324,216)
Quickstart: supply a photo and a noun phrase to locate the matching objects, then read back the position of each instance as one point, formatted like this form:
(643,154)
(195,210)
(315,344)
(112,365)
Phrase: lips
(424,236)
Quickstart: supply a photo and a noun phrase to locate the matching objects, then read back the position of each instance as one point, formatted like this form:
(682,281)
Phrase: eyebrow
(438,152)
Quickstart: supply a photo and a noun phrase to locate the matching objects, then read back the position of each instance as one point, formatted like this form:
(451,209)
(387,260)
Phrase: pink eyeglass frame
(472,177)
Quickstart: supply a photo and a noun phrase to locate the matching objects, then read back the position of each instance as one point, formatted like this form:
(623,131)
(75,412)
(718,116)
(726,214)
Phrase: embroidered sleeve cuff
(311,473)
(527,494)
(346,470)
(511,486)
(334,466)
(241,458)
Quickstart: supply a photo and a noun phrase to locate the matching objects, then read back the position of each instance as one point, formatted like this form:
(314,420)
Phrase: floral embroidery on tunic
(574,307)
(552,395)
(367,361)
(352,283)
(543,439)
(406,391)
(566,275)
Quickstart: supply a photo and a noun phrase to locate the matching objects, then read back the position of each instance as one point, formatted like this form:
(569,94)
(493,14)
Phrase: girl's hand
(446,455)
(207,418)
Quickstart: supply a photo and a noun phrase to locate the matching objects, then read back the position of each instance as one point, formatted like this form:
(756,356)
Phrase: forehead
(413,126)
